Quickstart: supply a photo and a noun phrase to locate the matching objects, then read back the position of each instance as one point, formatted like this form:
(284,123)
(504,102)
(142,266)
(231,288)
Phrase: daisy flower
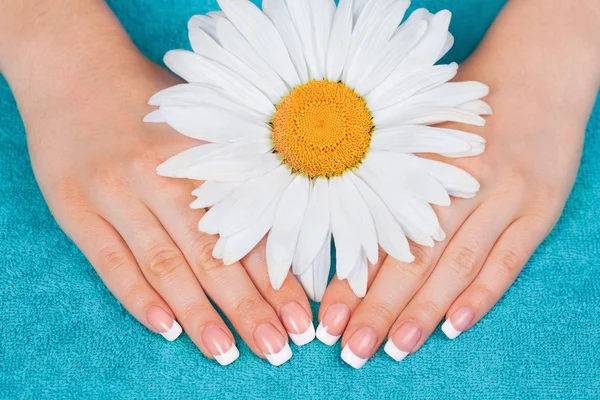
(313,113)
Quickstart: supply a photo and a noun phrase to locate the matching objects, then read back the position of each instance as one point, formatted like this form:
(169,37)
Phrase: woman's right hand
(95,161)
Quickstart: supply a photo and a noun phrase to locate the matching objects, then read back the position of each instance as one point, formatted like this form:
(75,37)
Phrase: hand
(95,161)
(534,145)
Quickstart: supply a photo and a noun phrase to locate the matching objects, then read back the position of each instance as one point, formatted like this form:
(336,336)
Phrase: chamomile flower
(313,113)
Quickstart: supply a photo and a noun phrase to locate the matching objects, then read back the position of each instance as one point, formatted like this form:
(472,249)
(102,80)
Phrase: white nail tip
(352,359)
(230,356)
(303,338)
(325,337)
(281,357)
(394,352)
(449,330)
(173,333)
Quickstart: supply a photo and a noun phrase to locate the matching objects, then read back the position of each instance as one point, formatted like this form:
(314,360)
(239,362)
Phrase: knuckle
(111,259)
(420,268)
(194,311)
(204,262)
(430,311)
(163,262)
(247,305)
(463,262)
(509,263)
(382,312)
(134,296)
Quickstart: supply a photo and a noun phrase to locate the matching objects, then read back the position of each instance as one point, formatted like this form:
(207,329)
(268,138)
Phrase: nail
(272,344)
(297,323)
(163,323)
(403,341)
(360,347)
(333,324)
(458,322)
(220,345)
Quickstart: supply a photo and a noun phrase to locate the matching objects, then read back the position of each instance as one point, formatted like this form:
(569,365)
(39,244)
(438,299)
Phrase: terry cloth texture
(63,335)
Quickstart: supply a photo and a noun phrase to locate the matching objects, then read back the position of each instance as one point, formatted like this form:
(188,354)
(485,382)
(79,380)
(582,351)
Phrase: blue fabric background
(63,335)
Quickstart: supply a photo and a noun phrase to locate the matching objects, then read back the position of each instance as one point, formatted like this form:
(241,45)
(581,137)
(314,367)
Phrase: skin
(541,60)
(95,163)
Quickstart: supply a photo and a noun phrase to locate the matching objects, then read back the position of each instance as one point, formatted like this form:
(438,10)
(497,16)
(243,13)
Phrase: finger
(505,262)
(229,287)
(166,269)
(393,288)
(460,262)
(290,301)
(338,304)
(116,266)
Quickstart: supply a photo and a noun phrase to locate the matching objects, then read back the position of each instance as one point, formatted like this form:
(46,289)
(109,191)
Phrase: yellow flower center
(322,128)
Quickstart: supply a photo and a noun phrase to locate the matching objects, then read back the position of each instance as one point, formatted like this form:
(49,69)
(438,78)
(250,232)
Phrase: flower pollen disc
(322,128)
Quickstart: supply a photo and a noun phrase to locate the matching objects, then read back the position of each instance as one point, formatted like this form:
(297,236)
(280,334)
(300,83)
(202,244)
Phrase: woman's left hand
(534,146)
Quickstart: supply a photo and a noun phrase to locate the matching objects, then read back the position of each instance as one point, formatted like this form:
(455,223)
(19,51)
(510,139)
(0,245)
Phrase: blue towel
(63,335)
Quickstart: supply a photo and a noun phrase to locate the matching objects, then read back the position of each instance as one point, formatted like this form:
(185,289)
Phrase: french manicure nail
(297,323)
(458,322)
(220,345)
(333,324)
(272,344)
(163,323)
(360,347)
(403,341)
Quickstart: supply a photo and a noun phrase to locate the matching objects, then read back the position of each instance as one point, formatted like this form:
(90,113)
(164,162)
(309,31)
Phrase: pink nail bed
(458,322)
(403,341)
(333,324)
(297,323)
(220,345)
(360,347)
(163,323)
(272,344)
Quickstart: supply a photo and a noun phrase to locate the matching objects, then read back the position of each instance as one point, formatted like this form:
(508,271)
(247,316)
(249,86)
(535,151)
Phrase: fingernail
(220,345)
(403,341)
(297,323)
(360,347)
(333,324)
(163,323)
(458,322)
(272,344)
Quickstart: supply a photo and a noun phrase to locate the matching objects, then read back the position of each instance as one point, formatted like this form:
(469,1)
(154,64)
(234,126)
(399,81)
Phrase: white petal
(454,179)
(212,192)
(282,240)
(202,94)
(424,115)
(452,94)
(345,235)
(315,227)
(240,244)
(322,12)
(361,217)
(339,43)
(360,275)
(447,46)
(476,142)
(204,23)
(234,169)
(234,42)
(262,35)
(278,13)
(301,15)
(213,124)
(418,139)
(403,41)
(479,107)
(357,8)
(219,248)
(389,233)
(398,87)
(314,279)
(197,69)
(428,51)
(155,117)
(256,196)
(211,221)
(380,26)
(206,46)
(186,159)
